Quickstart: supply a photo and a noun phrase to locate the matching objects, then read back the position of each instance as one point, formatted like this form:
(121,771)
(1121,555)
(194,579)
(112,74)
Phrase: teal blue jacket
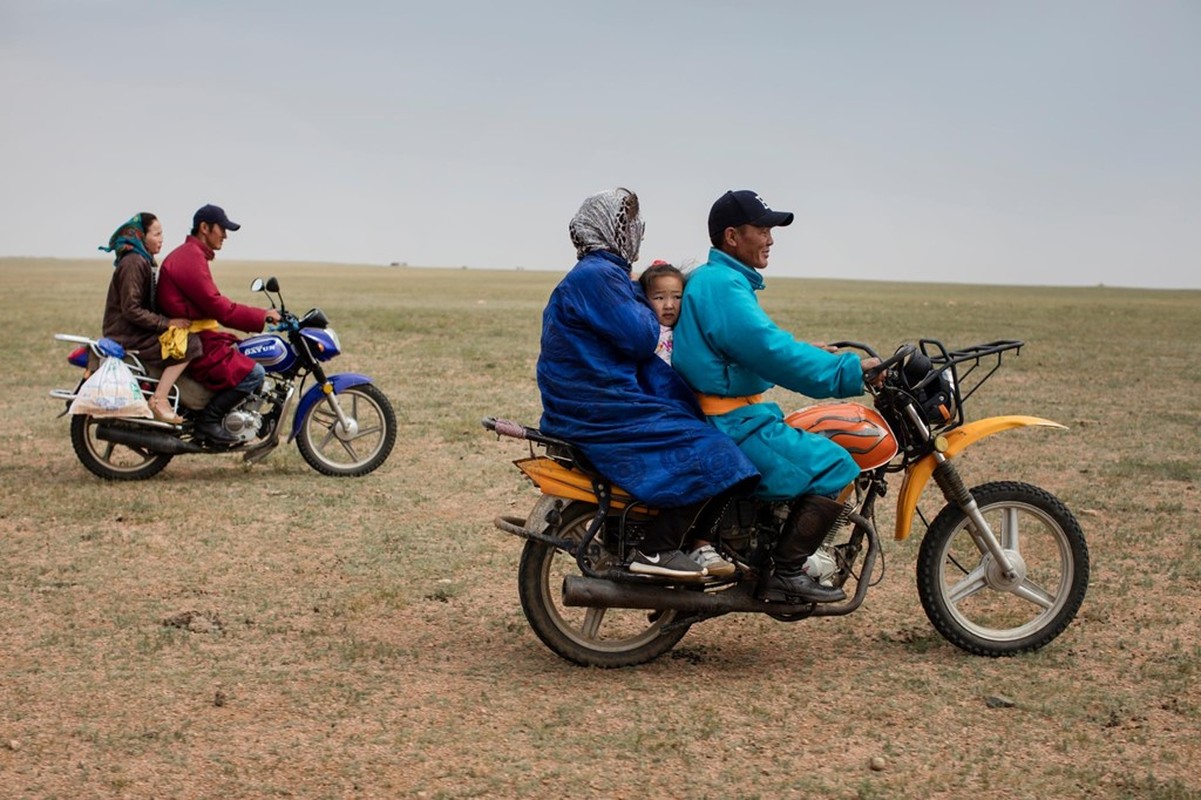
(726,345)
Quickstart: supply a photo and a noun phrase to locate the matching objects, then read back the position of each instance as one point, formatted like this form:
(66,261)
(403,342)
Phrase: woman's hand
(179,322)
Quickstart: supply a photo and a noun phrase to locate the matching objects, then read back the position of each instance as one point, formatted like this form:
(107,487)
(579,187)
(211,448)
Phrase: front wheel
(355,448)
(592,637)
(966,596)
(110,460)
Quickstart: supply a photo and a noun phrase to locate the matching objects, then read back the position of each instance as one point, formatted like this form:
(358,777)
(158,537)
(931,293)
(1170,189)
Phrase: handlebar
(849,345)
(903,352)
(287,322)
(872,375)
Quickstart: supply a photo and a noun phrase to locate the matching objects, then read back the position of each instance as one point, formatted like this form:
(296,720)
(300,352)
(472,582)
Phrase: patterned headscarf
(131,236)
(608,221)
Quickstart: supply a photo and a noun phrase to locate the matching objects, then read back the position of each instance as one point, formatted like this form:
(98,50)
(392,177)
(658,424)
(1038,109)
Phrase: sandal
(162,411)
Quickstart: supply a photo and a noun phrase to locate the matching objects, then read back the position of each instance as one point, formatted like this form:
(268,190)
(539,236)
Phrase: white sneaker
(667,564)
(717,567)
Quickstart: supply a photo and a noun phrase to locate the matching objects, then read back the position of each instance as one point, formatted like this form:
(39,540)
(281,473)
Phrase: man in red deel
(186,289)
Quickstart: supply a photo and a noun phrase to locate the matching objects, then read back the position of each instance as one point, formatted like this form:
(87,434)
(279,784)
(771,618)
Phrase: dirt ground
(269,632)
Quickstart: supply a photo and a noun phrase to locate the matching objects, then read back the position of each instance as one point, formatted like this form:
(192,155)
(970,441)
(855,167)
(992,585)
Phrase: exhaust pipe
(599,593)
(154,441)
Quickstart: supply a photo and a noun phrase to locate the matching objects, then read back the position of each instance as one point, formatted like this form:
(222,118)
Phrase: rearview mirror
(256,285)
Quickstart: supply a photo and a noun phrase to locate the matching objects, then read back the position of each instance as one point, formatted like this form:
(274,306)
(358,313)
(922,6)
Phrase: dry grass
(223,631)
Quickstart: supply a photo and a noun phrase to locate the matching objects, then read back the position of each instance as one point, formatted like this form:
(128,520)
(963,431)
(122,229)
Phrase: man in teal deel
(730,352)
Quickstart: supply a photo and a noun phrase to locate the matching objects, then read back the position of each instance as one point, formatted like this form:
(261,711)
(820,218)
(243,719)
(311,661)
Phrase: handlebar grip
(505,427)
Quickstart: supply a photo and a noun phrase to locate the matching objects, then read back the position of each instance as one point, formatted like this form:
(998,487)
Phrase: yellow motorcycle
(1002,569)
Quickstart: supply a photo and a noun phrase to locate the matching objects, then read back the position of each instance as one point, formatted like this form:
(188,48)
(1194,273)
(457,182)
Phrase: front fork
(954,490)
(327,388)
(346,423)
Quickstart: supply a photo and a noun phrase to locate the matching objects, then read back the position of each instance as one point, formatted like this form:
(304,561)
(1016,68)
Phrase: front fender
(918,474)
(335,384)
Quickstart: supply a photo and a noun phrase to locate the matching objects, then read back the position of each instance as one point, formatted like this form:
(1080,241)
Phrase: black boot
(796,587)
(209,425)
(811,519)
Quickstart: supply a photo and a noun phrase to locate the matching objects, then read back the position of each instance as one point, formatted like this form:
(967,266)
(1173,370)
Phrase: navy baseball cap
(743,207)
(216,214)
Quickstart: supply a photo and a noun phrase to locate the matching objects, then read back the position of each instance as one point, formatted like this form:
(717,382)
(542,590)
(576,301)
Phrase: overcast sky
(1053,143)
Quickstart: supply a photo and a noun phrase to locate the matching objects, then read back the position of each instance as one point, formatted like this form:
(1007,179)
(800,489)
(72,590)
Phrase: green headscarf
(131,236)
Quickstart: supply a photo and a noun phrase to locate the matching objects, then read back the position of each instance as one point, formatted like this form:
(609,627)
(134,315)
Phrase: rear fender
(335,383)
(555,479)
(918,474)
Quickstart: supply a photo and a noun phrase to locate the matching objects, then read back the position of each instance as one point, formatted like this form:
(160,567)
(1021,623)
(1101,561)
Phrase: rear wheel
(592,637)
(109,460)
(353,449)
(969,600)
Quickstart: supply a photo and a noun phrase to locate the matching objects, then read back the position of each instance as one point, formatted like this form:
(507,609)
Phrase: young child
(663,285)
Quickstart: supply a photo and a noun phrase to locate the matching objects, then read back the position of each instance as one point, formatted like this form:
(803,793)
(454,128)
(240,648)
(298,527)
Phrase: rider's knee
(253,380)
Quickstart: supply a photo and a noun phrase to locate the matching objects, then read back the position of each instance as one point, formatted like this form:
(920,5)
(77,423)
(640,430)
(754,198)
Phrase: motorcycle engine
(243,424)
(821,566)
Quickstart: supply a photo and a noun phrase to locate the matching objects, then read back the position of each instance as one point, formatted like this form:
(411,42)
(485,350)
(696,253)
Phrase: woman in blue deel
(604,389)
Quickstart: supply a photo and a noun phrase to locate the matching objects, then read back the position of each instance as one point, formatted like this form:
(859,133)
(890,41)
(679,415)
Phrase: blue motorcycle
(343,425)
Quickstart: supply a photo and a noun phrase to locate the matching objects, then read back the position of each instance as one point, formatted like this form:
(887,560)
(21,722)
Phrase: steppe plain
(229,631)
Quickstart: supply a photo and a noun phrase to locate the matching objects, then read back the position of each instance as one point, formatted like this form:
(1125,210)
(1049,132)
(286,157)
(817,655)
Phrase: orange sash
(714,405)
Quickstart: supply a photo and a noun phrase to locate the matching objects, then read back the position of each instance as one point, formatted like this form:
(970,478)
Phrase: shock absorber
(953,488)
(951,483)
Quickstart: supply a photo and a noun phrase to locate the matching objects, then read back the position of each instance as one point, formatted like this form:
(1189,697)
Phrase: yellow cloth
(174,341)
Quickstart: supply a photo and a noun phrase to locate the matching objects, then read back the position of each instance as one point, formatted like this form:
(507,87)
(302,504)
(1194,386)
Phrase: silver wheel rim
(985,603)
(351,447)
(114,456)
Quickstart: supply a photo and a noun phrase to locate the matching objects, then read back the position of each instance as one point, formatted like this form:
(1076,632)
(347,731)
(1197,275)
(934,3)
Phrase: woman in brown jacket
(131,315)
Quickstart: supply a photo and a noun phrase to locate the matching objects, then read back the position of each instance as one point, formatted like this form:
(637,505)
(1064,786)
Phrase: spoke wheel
(109,460)
(593,637)
(966,594)
(354,449)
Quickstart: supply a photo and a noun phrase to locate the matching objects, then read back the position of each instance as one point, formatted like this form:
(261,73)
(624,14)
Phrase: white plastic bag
(112,391)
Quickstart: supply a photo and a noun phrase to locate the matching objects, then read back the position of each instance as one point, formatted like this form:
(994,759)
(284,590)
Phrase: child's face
(665,294)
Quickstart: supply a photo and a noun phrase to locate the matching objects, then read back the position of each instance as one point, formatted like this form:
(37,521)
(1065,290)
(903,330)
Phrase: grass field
(224,631)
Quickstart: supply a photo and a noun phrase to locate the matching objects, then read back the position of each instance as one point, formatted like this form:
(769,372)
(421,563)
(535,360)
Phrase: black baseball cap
(743,207)
(216,214)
